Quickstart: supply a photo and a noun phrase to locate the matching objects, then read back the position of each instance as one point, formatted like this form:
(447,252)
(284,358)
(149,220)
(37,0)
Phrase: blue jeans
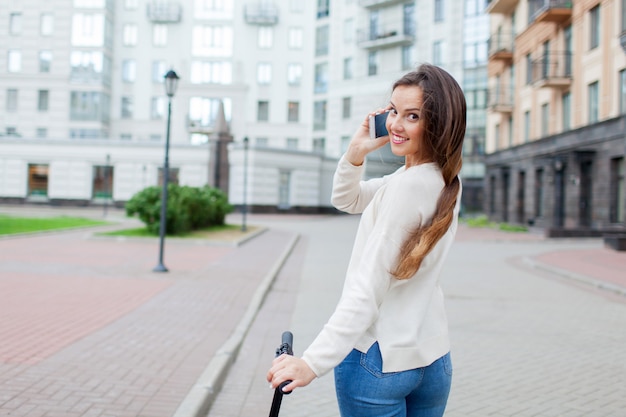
(363,390)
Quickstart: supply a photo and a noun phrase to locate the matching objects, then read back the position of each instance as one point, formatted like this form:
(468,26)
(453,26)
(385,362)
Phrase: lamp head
(171,83)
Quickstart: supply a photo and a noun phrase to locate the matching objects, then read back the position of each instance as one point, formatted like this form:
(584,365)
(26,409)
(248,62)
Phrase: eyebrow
(412,109)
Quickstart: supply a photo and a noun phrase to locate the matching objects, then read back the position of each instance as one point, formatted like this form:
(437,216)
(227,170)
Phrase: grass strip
(10,225)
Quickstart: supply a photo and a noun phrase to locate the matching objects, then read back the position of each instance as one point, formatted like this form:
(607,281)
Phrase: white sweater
(406,317)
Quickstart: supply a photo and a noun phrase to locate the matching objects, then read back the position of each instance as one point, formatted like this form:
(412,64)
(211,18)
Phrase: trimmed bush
(188,208)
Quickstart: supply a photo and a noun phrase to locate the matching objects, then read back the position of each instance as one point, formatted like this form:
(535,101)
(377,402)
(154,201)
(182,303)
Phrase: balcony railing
(500,98)
(164,12)
(558,11)
(261,14)
(553,70)
(385,37)
(378,3)
(500,46)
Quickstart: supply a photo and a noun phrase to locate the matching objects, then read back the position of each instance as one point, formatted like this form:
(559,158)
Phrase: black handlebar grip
(288,341)
(285,347)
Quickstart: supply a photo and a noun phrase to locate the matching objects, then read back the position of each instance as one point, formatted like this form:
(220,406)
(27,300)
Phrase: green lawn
(11,225)
(204,233)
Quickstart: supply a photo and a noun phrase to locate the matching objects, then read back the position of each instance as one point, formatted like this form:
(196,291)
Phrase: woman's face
(405,125)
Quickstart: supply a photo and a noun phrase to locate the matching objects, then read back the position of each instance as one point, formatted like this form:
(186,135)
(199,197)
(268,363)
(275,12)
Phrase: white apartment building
(294,77)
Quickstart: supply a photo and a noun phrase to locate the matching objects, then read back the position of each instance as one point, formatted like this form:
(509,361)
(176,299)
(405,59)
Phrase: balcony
(553,71)
(500,99)
(556,11)
(384,37)
(501,6)
(500,47)
(164,12)
(261,14)
(374,4)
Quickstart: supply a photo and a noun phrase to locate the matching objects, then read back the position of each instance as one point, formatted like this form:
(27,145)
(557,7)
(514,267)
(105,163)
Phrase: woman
(388,337)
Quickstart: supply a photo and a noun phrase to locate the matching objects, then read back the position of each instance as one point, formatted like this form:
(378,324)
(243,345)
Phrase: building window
(348,30)
(129,70)
(263,111)
(127,108)
(408,19)
(46,25)
(173,174)
(529,69)
(15,23)
(319,145)
(41,132)
(407,57)
(14,61)
(159,35)
(158,71)
(617,211)
(497,136)
(526,126)
(319,115)
(294,74)
(86,65)
(346,108)
(38,180)
(45,61)
(439,12)
(88,105)
(323,8)
(129,34)
(88,29)
(157,108)
(211,72)
(593,95)
(594,27)
(539,192)
(11,99)
(262,142)
(102,181)
(264,73)
(347,69)
(203,110)
(266,37)
(545,119)
(438,53)
(372,63)
(42,100)
(321,78)
(293,111)
(623,15)
(292,143)
(295,38)
(284,188)
(622,90)
(212,41)
(321,41)
(566,102)
(345,142)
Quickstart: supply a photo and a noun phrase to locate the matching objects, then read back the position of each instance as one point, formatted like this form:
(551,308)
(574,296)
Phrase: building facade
(556,138)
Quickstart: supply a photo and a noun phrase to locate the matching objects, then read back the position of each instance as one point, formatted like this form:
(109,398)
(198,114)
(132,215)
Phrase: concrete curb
(201,396)
(602,285)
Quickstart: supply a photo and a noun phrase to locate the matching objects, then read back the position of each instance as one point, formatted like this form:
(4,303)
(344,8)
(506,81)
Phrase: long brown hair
(443,112)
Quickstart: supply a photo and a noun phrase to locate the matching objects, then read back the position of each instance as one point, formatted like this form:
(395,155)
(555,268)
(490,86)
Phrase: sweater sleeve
(399,209)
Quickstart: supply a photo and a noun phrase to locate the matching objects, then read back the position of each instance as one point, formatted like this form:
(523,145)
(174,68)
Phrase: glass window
(11,99)
(42,100)
(266,37)
(438,53)
(15,23)
(372,63)
(346,108)
(321,78)
(529,69)
(545,119)
(348,30)
(292,143)
(45,61)
(321,40)
(264,73)
(408,57)
(88,105)
(129,70)
(47,24)
(129,34)
(211,72)
(212,40)
(567,109)
(87,29)
(158,71)
(319,115)
(293,111)
(157,108)
(261,142)
(203,110)
(295,38)
(347,69)
(294,74)
(41,132)
(323,8)
(408,19)
(594,27)
(439,10)
(127,108)
(526,126)
(263,111)
(38,180)
(319,145)
(159,35)
(14,61)
(592,92)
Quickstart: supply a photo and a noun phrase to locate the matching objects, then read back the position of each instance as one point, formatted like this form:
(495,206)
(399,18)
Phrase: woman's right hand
(361,143)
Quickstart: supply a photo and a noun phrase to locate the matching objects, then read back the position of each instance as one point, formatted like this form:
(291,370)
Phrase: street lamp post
(106,185)
(244,208)
(171,82)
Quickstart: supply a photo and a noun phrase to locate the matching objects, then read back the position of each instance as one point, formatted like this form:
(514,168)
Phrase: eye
(413,116)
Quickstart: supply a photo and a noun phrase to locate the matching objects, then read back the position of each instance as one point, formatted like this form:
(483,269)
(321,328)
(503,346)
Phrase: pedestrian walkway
(87,329)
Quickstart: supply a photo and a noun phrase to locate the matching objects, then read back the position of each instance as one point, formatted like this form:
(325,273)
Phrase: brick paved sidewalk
(87,329)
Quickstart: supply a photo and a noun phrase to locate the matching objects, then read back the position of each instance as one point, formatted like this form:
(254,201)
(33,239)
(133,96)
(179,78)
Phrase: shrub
(188,208)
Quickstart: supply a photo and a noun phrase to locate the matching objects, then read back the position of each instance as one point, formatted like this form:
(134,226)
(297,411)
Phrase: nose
(394,123)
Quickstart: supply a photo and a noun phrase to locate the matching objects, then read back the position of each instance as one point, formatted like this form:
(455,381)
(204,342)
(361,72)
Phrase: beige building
(556,131)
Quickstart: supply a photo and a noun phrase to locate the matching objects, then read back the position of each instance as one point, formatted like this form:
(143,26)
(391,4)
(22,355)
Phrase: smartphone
(377,125)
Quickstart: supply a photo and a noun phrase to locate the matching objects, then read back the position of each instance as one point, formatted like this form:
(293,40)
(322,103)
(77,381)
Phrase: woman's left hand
(287,367)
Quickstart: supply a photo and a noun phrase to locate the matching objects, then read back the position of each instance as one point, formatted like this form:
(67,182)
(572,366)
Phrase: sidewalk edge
(594,282)
(198,401)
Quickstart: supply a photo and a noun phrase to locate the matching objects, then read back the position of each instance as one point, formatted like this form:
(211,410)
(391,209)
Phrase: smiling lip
(398,139)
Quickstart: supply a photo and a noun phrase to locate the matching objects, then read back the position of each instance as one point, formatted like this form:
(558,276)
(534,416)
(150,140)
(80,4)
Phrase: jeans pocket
(447,364)
(372,362)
